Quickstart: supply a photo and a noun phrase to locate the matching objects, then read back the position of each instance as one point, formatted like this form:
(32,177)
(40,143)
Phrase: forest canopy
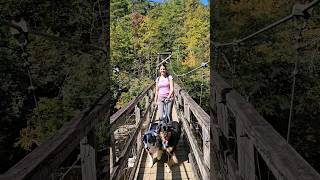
(48,77)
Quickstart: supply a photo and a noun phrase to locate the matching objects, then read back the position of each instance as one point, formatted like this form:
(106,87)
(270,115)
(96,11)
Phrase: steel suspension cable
(295,71)
(298,10)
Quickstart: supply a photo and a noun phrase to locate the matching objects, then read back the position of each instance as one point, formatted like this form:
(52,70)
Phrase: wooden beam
(280,157)
(129,107)
(202,117)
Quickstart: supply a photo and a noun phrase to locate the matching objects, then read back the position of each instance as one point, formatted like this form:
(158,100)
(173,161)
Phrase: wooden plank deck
(160,171)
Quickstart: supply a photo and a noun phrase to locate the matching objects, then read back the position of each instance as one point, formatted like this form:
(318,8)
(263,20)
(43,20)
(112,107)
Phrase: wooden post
(180,99)
(137,114)
(112,152)
(151,94)
(187,114)
(246,162)
(146,107)
(222,114)
(88,156)
(206,145)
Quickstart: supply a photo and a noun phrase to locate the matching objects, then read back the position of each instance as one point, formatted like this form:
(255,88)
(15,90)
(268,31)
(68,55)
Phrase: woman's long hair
(164,65)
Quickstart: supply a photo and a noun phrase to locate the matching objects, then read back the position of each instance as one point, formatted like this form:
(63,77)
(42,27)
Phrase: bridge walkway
(160,170)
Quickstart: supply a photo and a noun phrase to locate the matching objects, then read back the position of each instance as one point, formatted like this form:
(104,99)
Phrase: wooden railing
(46,158)
(188,108)
(134,142)
(253,140)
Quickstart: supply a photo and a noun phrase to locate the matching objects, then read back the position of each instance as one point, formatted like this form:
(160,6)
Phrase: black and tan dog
(152,144)
(169,134)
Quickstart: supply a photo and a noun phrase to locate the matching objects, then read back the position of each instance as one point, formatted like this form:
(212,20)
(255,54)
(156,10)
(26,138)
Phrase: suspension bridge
(234,142)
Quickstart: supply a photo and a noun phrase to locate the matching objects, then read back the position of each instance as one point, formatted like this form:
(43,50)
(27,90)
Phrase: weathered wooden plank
(202,117)
(280,157)
(49,155)
(206,145)
(129,107)
(88,156)
(204,170)
(222,116)
(138,119)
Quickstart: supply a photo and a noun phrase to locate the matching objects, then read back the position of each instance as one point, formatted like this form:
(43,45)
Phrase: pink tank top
(164,86)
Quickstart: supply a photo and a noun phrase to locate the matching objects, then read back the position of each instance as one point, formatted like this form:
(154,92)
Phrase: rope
(55,38)
(295,71)
(74,163)
(165,60)
(205,64)
(32,88)
(292,97)
(295,12)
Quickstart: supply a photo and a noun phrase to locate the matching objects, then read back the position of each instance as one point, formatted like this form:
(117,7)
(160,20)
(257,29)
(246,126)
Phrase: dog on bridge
(152,143)
(170,134)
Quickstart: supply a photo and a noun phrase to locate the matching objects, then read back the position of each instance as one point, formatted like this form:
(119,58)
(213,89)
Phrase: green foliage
(65,77)
(136,87)
(47,118)
(181,27)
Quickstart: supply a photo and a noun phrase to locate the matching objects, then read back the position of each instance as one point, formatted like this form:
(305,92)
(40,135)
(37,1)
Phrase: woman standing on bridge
(164,91)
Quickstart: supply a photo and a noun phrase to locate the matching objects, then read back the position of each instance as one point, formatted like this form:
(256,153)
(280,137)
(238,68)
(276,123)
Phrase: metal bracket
(299,10)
